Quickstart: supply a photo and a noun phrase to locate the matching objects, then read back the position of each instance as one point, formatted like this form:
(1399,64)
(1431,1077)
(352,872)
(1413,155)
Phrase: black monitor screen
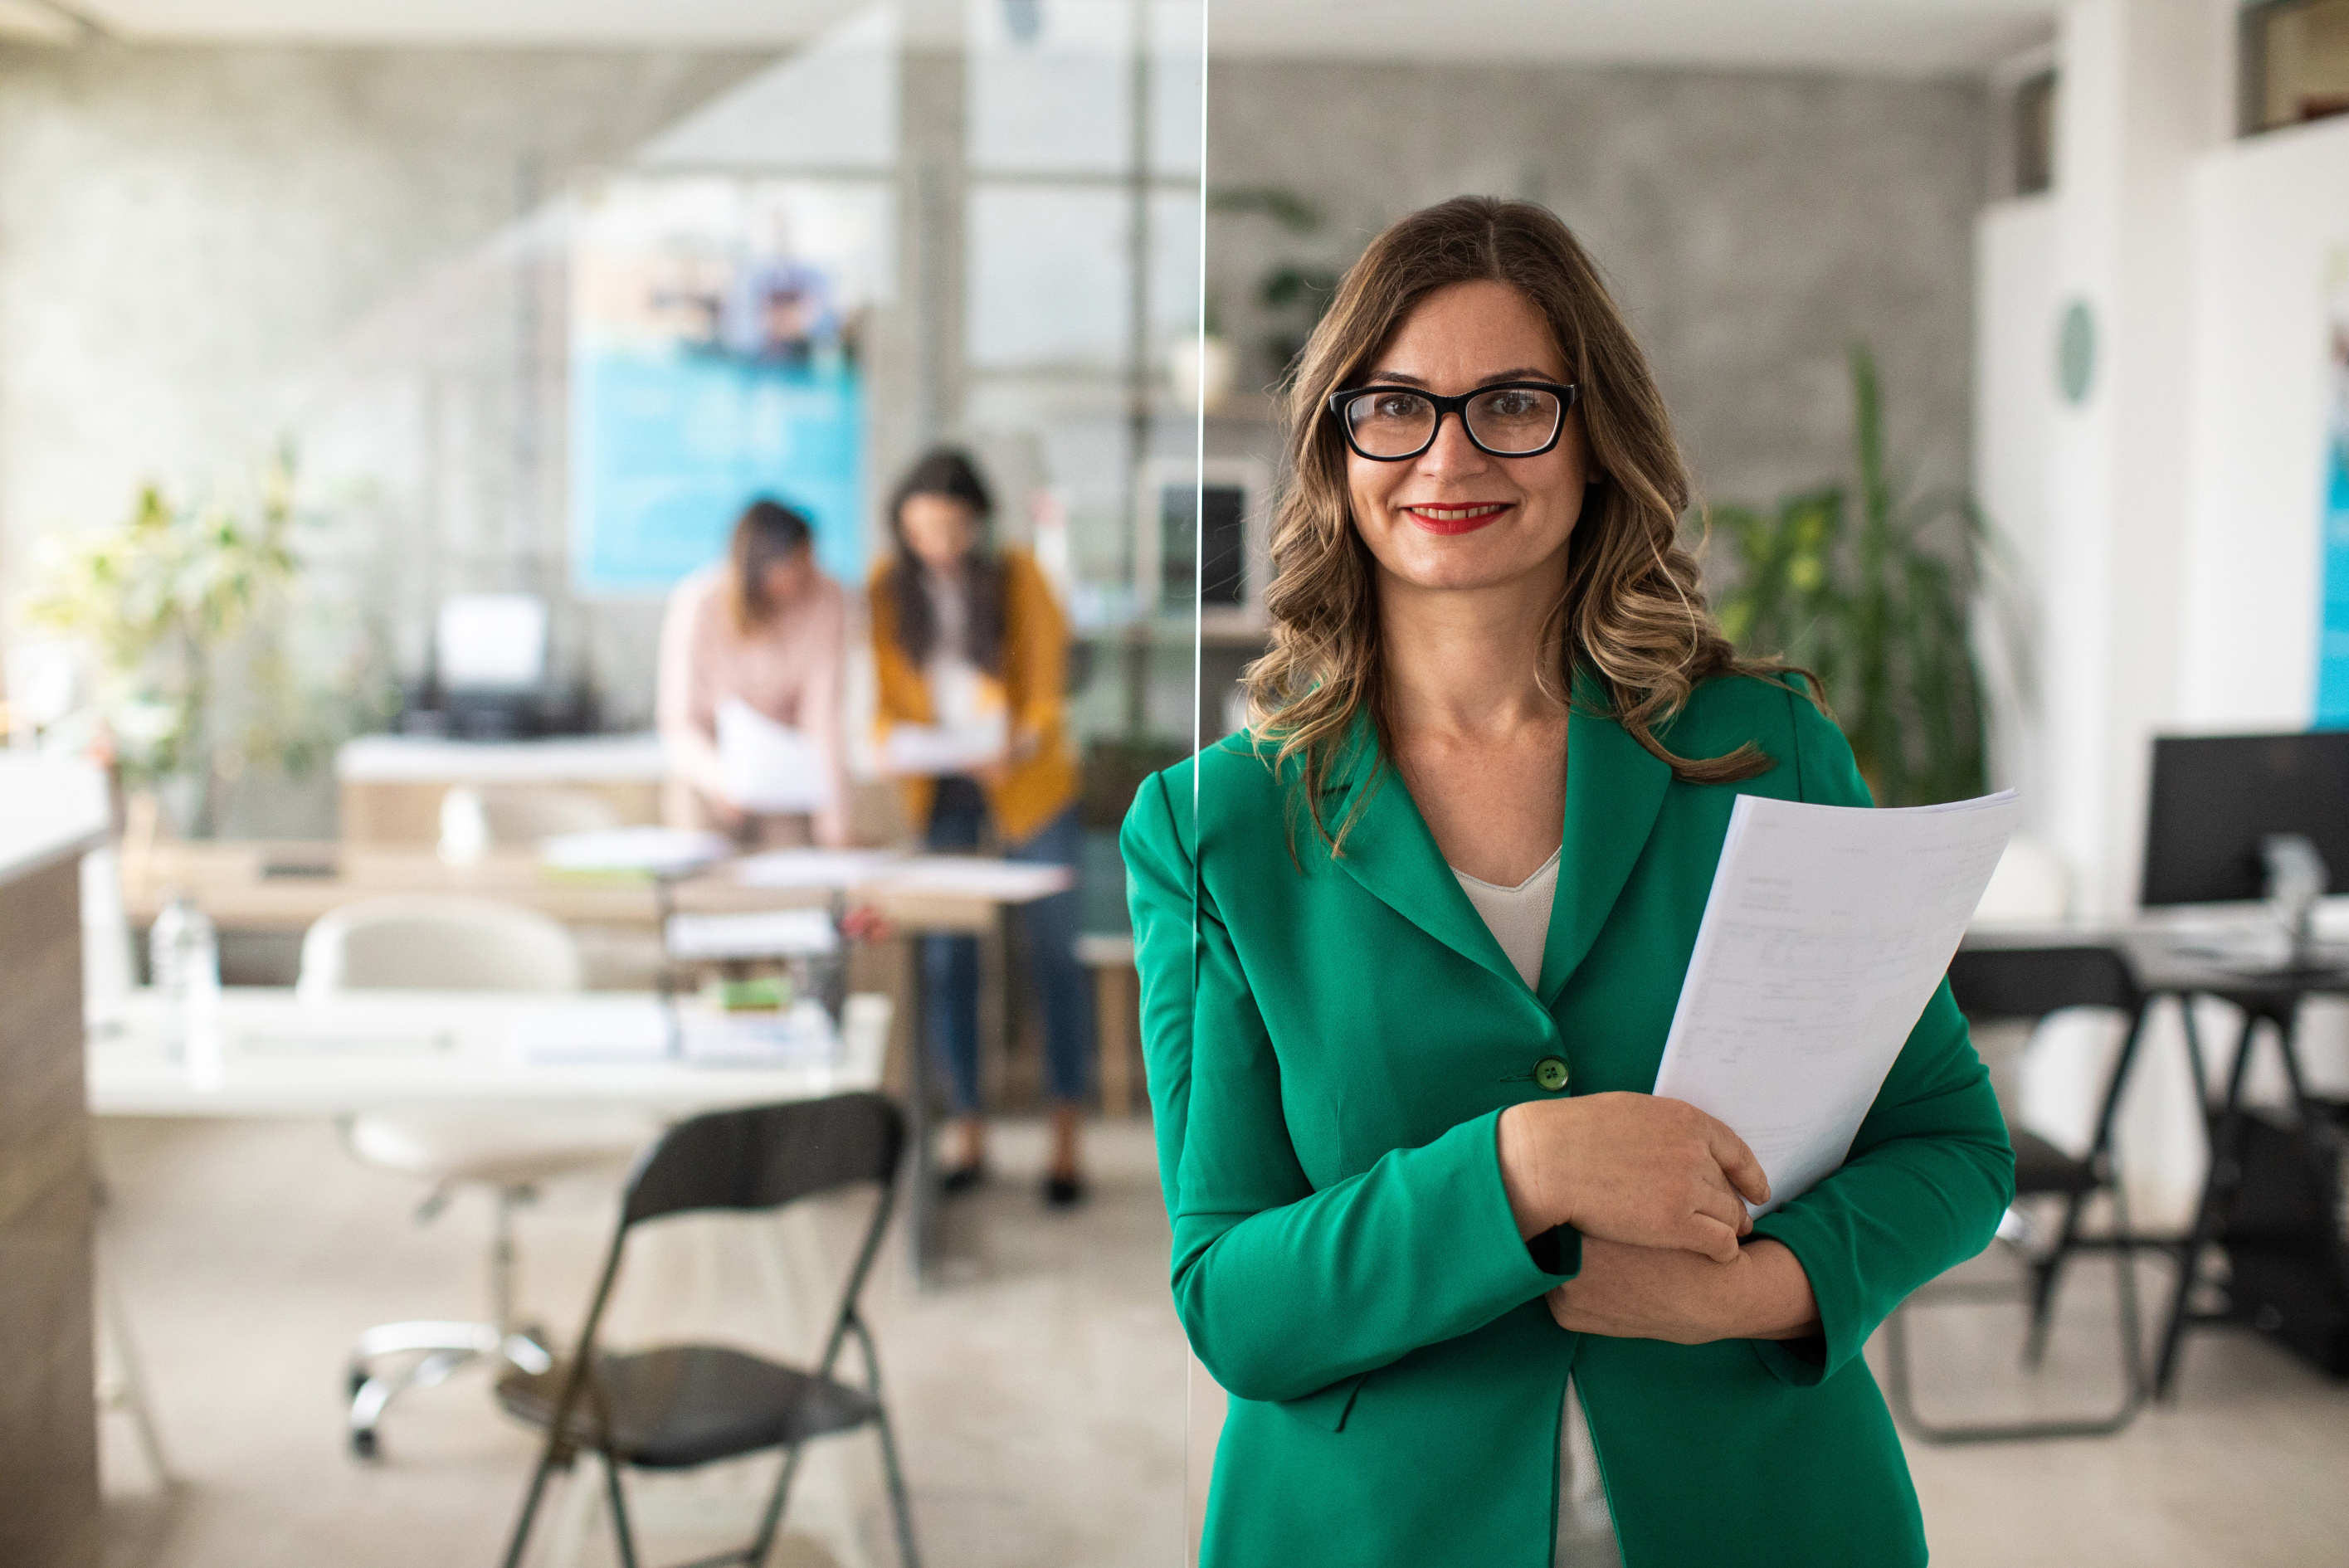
(2215,797)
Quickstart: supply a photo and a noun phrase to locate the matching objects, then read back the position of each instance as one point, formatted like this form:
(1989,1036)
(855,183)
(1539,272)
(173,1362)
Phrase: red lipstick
(1456,517)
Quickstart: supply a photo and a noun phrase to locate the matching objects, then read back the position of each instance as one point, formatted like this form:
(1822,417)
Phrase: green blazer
(1330,1044)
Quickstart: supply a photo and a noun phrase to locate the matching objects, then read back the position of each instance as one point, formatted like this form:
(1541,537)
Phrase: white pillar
(2144,85)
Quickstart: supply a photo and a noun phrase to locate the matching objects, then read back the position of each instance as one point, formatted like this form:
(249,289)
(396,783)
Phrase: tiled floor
(1039,1392)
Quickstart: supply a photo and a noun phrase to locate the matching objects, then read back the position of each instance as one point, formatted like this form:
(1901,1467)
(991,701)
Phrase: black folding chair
(2023,984)
(681,1406)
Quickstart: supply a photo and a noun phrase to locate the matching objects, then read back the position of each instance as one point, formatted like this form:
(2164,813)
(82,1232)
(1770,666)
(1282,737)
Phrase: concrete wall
(1755,224)
(186,233)
(201,246)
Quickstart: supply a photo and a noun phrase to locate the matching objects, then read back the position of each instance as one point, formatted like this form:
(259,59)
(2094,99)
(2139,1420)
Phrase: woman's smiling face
(1455,517)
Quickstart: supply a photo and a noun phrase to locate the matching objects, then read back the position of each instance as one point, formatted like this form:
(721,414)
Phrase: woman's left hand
(1663,1292)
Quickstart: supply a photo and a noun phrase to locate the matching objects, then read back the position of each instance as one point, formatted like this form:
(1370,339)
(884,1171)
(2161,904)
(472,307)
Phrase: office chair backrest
(766,1156)
(432,943)
(1994,985)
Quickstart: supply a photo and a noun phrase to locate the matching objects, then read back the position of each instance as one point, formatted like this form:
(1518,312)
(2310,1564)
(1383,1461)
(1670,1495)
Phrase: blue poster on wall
(2333,620)
(715,329)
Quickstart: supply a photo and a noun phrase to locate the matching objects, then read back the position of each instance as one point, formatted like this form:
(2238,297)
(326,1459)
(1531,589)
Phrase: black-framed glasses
(1507,419)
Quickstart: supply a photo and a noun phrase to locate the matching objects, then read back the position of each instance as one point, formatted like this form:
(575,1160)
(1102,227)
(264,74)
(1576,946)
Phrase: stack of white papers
(818,869)
(763,934)
(598,1032)
(769,767)
(656,850)
(1827,929)
(603,1034)
(969,876)
(801,1035)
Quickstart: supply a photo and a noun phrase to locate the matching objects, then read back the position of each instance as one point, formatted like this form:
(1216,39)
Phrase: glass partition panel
(509,342)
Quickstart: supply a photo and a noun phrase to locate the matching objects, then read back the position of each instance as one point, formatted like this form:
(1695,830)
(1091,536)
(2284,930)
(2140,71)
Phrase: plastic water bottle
(184,952)
(183,956)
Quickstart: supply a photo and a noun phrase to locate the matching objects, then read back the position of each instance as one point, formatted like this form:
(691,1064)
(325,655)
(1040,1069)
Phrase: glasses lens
(1514,419)
(1390,424)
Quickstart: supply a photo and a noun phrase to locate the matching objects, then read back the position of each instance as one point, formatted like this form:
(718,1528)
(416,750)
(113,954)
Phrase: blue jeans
(950,964)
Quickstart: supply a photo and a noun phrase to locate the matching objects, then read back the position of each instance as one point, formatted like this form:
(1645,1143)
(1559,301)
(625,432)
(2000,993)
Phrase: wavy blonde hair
(1632,615)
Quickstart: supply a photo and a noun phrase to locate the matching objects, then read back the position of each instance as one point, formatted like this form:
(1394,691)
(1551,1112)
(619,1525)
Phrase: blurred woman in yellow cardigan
(971,653)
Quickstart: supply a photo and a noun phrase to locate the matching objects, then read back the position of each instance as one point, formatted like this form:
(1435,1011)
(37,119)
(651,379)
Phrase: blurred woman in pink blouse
(764,627)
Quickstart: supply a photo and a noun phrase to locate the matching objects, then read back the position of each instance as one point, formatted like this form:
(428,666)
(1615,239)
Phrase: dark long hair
(768,534)
(943,471)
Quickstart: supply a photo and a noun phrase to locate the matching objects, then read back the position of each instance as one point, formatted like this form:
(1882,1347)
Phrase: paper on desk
(605,1036)
(641,849)
(596,1032)
(801,1034)
(769,767)
(756,933)
(840,869)
(943,749)
(973,876)
(1826,931)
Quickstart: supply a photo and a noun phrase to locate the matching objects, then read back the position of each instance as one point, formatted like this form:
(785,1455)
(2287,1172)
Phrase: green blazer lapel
(1389,850)
(1614,788)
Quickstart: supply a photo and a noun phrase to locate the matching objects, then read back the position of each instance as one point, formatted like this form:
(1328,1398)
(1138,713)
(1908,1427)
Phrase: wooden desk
(232,882)
(55,813)
(1117,1006)
(393,785)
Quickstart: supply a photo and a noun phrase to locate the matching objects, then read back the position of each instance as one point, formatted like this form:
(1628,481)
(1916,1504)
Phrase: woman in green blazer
(1478,1297)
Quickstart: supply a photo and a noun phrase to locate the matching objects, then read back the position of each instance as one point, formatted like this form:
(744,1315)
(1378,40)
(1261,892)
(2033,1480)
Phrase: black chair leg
(2043,1274)
(627,1538)
(2132,1329)
(1902,1398)
(900,1504)
(530,1505)
(774,1518)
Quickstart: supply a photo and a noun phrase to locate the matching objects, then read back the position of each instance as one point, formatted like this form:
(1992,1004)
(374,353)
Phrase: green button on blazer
(1329,1044)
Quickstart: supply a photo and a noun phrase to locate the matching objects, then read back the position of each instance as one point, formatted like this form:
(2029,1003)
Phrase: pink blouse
(789,670)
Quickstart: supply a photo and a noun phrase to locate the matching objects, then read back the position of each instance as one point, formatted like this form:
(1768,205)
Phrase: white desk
(450,1050)
(282,1056)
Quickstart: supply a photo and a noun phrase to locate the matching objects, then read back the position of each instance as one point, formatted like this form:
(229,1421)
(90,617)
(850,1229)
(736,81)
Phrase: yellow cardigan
(1041,785)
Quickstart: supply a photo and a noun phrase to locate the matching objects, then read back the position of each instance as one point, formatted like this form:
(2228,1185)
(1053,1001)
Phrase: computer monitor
(2215,797)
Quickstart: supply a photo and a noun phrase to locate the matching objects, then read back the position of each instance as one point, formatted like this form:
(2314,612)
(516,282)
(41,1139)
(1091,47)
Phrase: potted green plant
(1872,587)
(1292,295)
(187,612)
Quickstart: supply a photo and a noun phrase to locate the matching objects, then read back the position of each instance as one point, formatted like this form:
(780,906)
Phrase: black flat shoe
(956,1180)
(1063,1191)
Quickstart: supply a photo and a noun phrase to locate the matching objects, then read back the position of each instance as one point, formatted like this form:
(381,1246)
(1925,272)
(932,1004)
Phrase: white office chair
(456,944)
(2031,887)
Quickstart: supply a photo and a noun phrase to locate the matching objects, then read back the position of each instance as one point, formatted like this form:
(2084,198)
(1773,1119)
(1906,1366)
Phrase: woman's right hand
(1629,1168)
